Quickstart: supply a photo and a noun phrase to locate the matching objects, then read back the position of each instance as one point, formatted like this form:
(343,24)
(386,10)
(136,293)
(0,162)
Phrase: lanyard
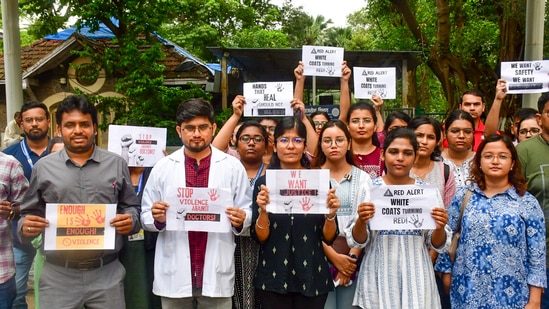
(257,175)
(26,153)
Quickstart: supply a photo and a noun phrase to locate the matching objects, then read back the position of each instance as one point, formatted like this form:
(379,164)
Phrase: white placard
(139,146)
(198,209)
(79,227)
(268,99)
(526,76)
(322,60)
(300,191)
(403,207)
(370,81)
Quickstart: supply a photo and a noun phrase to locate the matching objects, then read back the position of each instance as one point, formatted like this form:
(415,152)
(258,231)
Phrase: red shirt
(197,176)
(371,163)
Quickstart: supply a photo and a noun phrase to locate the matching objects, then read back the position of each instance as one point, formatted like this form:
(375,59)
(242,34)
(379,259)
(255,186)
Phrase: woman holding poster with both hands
(292,271)
(396,271)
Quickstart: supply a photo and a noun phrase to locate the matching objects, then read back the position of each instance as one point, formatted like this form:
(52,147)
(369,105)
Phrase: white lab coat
(172,265)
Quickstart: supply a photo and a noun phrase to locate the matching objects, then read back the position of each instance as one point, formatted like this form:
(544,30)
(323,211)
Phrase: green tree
(203,23)
(462,41)
(136,59)
(315,33)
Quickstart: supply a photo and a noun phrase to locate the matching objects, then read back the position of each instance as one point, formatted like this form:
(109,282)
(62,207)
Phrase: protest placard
(322,60)
(300,191)
(370,81)
(198,209)
(268,99)
(526,76)
(403,207)
(139,146)
(79,227)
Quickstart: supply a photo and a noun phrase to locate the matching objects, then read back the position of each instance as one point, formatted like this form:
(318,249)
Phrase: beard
(36,136)
(197,146)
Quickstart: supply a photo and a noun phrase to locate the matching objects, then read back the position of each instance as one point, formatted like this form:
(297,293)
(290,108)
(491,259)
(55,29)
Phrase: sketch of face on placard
(181,213)
(288,206)
(254,105)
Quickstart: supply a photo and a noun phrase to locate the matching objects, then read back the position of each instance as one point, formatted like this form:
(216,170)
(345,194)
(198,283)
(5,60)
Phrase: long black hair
(321,157)
(421,120)
(284,125)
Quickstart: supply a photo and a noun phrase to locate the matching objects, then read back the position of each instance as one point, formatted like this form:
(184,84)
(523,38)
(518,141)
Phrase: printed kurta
(397,271)
(501,250)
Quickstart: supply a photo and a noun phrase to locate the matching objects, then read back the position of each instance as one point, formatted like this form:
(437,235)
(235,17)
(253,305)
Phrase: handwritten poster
(198,209)
(403,207)
(370,81)
(268,99)
(300,191)
(79,227)
(526,76)
(322,60)
(139,146)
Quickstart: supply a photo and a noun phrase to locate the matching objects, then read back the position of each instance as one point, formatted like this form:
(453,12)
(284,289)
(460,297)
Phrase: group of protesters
(488,188)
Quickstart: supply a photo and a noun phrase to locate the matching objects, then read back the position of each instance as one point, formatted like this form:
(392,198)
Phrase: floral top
(501,250)
(461,173)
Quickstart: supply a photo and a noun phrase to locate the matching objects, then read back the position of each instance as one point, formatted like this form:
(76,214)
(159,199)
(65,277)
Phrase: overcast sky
(336,10)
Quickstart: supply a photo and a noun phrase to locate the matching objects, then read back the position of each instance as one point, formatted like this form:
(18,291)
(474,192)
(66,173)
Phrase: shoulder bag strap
(463,205)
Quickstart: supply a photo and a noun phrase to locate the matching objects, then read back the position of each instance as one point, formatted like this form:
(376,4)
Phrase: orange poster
(79,227)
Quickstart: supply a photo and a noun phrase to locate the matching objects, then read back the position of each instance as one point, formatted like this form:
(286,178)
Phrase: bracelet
(330,219)
(260,227)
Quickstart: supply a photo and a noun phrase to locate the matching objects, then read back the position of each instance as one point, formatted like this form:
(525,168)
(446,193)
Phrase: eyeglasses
(490,156)
(191,129)
(285,141)
(359,120)
(30,120)
(532,131)
(247,138)
(328,142)
(270,129)
(456,131)
(320,123)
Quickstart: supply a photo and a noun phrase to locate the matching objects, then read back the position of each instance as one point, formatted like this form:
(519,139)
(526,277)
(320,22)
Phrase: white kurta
(396,271)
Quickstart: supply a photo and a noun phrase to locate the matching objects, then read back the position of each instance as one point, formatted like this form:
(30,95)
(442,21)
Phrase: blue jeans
(23,263)
(7,293)
(342,297)
(545,295)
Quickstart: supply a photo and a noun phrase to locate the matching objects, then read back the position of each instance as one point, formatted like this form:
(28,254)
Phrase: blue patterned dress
(501,250)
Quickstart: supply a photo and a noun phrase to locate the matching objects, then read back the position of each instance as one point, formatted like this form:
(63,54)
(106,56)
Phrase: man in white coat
(195,268)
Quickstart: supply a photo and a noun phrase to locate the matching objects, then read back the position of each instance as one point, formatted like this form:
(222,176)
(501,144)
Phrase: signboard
(332,110)
(268,99)
(322,60)
(79,227)
(370,81)
(198,209)
(300,191)
(526,76)
(403,207)
(139,146)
